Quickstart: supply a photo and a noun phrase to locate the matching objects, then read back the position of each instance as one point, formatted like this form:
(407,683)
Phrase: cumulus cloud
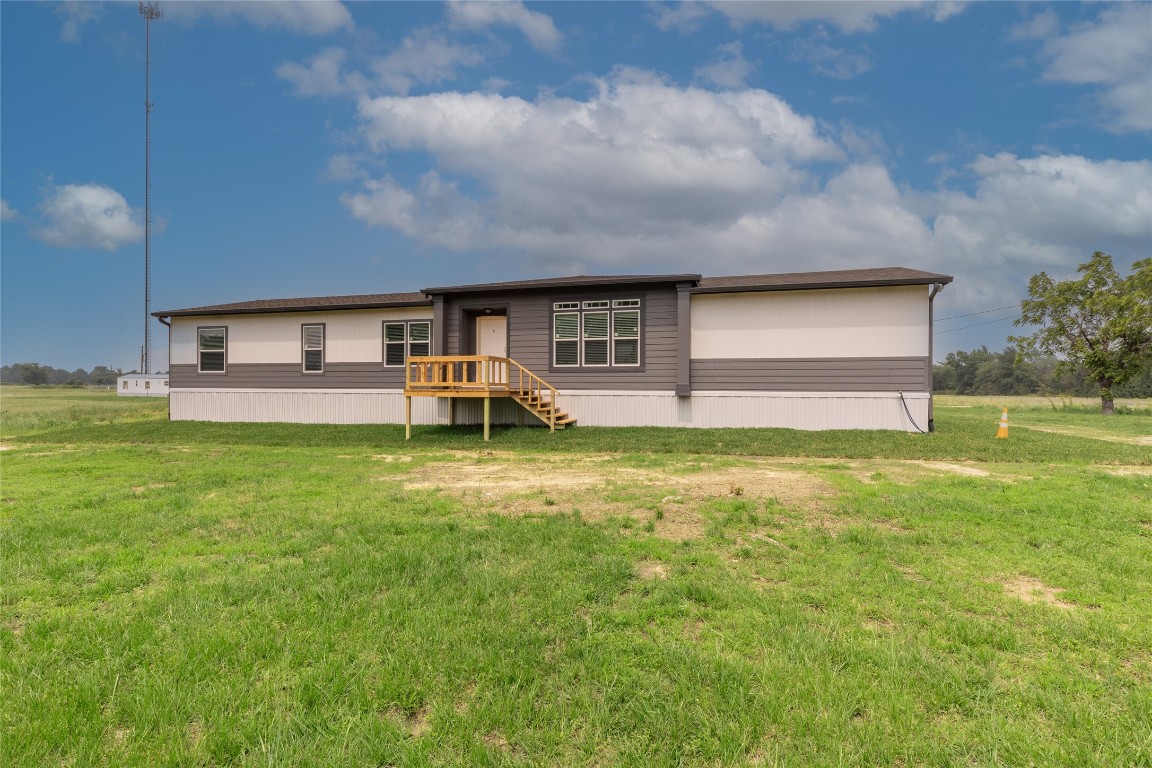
(645,174)
(847,15)
(88,216)
(729,69)
(7,212)
(637,158)
(308,17)
(537,27)
(1113,53)
(425,57)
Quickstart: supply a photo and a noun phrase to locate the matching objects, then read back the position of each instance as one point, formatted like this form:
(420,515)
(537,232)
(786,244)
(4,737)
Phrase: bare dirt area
(599,488)
(1032,590)
(1092,434)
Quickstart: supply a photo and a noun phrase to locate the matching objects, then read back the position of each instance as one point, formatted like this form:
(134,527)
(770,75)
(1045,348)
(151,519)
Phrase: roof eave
(532,285)
(268,310)
(755,288)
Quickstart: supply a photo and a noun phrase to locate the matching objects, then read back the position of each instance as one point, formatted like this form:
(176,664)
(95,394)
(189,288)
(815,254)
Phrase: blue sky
(317,148)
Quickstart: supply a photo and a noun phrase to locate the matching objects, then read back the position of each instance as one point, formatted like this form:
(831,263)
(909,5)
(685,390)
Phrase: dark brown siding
(288,376)
(853,374)
(530,335)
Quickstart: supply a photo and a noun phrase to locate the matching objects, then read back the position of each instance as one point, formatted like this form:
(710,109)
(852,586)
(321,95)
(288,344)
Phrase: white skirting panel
(299,406)
(795,410)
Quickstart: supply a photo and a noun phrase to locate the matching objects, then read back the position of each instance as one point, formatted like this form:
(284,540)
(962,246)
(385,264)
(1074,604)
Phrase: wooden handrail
(535,388)
(480,375)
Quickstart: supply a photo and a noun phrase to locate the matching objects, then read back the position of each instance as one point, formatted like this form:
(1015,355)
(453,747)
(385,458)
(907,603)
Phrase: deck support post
(407,418)
(487,418)
(451,411)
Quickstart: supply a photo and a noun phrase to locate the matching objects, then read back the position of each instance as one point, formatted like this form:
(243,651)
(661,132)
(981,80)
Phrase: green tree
(34,373)
(1102,321)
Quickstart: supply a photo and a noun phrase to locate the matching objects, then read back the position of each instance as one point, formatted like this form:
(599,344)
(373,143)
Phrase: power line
(970,314)
(974,325)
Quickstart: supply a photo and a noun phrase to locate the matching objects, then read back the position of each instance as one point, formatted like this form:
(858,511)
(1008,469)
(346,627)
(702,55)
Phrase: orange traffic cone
(1002,433)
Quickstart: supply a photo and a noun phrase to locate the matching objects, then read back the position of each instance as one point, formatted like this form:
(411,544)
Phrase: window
(596,333)
(212,349)
(125,385)
(312,341)
(406,339)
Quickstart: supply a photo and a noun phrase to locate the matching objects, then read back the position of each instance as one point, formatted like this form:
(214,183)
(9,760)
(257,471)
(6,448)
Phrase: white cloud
(1113,53)
(308,17)
(425,57)
(88,216)
(76,16)
(322,76)
(1042,25)
(537,27)
(683,17)
(728,70)
(847,15)
(827,60)
(8,213)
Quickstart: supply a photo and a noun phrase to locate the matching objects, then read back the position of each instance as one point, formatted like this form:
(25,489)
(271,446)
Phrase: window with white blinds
(596,333)
(312,340)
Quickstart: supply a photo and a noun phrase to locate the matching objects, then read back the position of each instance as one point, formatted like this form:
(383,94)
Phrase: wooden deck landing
(483,376)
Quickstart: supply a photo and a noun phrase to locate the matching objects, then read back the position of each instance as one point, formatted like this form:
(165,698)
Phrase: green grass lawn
(219,594)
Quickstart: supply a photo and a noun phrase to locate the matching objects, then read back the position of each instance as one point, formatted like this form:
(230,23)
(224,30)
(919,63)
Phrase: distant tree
(103,376)
(1101,321)
(34,373)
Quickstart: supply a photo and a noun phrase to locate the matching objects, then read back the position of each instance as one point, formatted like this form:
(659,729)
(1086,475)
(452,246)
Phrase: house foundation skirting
(795,410)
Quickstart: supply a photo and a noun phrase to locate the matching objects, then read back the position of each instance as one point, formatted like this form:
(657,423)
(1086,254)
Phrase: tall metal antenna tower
(151,12)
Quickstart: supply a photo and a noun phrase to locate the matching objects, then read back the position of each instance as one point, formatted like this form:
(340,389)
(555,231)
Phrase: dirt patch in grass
(955,469)
(1034,591)
(1092,434)
(649,570)
(664,499)
(416,722)
(149,487)
(1129,470)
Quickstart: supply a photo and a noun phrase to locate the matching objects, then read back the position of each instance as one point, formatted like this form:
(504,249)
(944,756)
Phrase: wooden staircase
(483,376)
(544,410)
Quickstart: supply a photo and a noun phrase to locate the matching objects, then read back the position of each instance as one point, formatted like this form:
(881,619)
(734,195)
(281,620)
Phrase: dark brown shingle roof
(844,278)
(312,304)
(841,278)
(565,282)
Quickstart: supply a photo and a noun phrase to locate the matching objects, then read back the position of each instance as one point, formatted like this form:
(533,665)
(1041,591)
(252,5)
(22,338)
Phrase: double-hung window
(596,334)
(211,349)
(412,338)
(312,343)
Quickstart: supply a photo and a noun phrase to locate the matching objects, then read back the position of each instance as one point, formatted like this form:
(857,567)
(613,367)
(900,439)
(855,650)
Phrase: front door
(492,335)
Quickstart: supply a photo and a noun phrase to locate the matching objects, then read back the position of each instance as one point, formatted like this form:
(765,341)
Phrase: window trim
(304,350)
(407,341)
(589,306)
(200,352)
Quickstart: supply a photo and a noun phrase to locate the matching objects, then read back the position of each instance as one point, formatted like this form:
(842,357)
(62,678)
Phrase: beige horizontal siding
(847,322)
(350,335)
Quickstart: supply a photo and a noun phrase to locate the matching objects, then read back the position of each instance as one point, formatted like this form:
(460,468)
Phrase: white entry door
(492,336)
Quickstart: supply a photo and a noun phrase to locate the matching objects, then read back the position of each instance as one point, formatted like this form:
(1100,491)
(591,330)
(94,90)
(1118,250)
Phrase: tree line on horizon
(983,372)
(37,374)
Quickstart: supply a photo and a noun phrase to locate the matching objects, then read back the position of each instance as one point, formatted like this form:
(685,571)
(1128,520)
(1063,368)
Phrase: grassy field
(289,595)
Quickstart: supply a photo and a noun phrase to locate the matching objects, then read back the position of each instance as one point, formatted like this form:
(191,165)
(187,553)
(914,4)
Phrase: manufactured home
(848,349)
(142,385)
